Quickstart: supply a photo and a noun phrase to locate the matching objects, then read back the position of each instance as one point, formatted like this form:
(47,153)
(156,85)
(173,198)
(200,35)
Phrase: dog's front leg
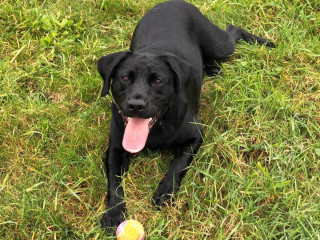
(116,164)
(171,182)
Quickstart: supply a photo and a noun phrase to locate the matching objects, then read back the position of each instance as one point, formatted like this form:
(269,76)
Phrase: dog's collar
(117,105)
(120,112)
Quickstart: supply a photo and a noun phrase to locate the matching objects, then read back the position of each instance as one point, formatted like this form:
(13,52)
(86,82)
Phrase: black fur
(161,75)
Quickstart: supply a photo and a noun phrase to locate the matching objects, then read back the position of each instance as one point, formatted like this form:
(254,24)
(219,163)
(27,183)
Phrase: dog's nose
(136,105)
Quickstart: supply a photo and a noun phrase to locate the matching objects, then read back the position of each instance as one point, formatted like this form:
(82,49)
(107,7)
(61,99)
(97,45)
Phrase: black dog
(156,89)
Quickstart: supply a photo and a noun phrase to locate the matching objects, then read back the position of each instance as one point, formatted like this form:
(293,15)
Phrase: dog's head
(143,86)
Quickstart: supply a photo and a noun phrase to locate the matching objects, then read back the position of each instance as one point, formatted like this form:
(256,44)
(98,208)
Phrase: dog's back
(169,27)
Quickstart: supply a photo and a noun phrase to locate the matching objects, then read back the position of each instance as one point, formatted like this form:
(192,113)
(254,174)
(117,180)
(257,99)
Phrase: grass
(256,175)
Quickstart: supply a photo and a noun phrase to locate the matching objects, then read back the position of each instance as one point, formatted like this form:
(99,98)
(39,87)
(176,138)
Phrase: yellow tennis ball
(130,230)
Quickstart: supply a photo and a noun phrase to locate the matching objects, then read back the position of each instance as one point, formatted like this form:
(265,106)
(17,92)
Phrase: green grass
(256,175)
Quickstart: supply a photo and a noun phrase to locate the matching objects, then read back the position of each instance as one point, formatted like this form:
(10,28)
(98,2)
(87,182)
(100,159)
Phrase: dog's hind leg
(217,44)
(239,33)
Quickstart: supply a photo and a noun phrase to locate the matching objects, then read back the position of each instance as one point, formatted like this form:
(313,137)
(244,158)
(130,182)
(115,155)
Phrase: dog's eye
(125,78)
(158,82)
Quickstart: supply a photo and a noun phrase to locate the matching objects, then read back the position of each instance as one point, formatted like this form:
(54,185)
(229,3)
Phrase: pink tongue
(135,134)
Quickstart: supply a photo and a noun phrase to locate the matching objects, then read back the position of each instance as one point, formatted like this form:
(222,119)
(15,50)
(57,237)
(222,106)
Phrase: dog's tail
(239,33)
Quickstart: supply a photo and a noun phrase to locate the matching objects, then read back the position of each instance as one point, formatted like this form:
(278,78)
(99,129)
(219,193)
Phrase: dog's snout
(136,105)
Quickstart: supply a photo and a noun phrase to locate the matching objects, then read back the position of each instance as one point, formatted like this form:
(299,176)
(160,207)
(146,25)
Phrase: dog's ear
(106,67)
(182,71)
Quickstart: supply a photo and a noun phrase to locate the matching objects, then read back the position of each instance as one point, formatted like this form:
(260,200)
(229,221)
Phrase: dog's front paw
(164,194)
(112,218)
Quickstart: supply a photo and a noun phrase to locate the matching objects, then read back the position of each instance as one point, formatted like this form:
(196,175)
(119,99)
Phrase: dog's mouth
(151,121)
(136,131)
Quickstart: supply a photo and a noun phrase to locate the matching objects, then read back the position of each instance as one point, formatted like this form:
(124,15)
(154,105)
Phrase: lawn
(257,174)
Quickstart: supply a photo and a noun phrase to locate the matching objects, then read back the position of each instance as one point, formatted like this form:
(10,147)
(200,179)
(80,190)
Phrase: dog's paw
(270,44)
(162,201)
(212,70)
(112,218)
(164,195)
